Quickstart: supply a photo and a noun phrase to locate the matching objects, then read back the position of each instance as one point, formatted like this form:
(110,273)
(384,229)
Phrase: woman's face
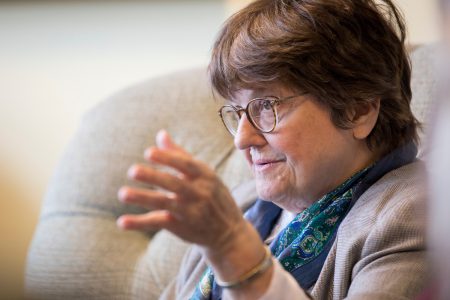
(305,157)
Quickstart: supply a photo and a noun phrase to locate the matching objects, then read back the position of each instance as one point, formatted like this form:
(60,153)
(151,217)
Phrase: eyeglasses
(261,112)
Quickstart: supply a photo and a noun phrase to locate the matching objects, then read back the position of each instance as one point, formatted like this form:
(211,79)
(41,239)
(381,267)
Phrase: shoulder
(380,245)
(400,193)
(396,205)
(388,217)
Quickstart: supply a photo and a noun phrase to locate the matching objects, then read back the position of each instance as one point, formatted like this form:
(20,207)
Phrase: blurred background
(60,58)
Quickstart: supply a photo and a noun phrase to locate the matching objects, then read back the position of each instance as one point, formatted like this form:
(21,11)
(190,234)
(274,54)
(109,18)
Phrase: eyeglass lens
(230,118)
(260,111)
(262,114)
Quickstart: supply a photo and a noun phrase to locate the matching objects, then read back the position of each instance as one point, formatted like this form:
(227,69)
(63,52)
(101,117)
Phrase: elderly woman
(318,99)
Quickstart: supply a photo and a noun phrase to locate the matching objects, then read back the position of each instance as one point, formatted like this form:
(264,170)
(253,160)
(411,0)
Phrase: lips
(266,165)
(261,162)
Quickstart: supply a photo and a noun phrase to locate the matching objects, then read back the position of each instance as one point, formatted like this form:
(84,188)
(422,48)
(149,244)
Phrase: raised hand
(193,203)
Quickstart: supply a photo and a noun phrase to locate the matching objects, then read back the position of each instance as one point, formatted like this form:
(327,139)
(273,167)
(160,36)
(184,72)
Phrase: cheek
(293,146)
(306,153)
(290,147)
(299,136)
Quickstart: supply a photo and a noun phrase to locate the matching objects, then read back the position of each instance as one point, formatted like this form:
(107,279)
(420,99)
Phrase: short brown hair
(343,52)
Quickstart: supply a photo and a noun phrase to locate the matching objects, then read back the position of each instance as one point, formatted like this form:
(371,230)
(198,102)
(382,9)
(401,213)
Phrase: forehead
(244,95)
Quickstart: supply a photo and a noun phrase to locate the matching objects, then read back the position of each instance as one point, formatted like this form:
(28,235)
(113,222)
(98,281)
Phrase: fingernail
(122,194)
(132,172)
(163,139)
(160,137)
(149,152)
(120,223)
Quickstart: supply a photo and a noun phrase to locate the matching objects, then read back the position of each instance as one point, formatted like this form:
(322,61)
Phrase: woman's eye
(266,105)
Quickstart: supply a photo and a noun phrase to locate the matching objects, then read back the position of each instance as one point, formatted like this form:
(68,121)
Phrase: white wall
(422,20)
(59,58)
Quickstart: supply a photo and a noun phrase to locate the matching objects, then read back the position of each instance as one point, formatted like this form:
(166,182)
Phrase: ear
(364,119)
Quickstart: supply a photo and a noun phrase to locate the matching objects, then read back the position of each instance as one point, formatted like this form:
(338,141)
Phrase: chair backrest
(423,84)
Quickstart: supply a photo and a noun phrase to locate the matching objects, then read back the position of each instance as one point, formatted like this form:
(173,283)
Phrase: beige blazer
(379,252)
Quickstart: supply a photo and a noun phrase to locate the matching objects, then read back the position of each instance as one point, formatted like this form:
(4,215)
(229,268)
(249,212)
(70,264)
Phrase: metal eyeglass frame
(273,101)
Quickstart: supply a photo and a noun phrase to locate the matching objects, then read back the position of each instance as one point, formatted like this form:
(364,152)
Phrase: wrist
(238,255)
(250,275)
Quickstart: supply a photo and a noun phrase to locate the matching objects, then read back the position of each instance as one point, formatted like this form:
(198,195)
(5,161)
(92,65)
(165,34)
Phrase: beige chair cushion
(423,84)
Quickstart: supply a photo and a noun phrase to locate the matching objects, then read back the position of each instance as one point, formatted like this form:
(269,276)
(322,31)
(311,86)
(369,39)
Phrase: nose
(248,136)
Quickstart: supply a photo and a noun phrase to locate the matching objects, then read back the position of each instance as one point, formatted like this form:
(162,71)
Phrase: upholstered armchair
(77,250)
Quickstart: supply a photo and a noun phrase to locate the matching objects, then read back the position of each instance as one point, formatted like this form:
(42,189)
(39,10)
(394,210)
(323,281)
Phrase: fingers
(153,220)
(164,141)
(148,199)
(151,176)
(169,154)
(171,206)
(183,163)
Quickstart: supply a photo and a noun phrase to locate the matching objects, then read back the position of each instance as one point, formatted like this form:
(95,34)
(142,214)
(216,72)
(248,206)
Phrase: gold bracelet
(260,268)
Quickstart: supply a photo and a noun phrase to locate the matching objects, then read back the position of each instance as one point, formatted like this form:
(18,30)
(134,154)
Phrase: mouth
(263,164)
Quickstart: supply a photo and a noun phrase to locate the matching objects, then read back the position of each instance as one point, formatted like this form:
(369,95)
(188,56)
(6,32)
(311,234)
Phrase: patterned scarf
(307,236)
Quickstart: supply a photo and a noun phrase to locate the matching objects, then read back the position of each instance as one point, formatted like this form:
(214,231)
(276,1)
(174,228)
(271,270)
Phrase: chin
(267,191)
(263,190)
(282,196)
